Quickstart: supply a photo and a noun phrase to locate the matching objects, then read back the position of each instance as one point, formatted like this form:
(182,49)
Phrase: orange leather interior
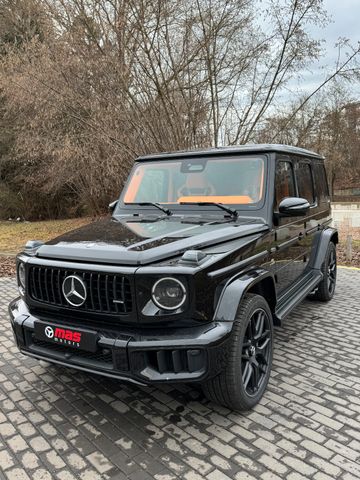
(261,182)
(134,185)
(231,199)
(282,190)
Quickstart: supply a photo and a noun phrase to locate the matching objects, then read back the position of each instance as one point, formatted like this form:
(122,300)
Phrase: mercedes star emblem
(74,290)
(49,332)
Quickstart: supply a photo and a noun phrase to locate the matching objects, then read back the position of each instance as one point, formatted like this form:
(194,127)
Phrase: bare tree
(329,124)
(90,84)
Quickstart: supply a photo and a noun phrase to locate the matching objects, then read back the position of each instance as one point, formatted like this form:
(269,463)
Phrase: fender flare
(324,237)
(235,289)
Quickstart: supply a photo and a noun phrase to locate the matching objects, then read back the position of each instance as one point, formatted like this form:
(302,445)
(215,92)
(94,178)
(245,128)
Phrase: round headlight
(168,293)
(21,275)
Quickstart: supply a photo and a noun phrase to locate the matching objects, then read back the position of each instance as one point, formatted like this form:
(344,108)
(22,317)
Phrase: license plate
(68,337)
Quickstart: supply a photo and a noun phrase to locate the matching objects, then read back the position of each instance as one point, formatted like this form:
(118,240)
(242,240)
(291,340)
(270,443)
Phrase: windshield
(235,180)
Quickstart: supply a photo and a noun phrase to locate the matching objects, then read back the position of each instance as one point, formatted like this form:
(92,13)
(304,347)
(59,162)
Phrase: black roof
(256,148)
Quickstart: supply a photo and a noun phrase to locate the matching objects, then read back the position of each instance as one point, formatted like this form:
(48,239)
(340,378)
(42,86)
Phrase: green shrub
(11,204)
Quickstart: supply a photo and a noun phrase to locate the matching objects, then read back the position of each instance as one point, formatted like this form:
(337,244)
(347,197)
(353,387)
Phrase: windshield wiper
(229,210)
(152,204)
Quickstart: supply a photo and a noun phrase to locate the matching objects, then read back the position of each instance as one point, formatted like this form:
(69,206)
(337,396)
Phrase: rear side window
(322,189)
(284,181)
(305,183)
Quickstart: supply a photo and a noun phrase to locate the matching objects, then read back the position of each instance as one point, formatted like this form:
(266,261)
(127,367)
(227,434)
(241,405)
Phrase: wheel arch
(266,288)
(320,248)
(258,281)
(335,237)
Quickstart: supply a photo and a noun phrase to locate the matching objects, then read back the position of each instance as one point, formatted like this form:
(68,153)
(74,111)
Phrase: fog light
(168,293)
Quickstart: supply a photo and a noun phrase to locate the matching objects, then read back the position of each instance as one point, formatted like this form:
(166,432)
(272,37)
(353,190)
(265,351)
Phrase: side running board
(297,293)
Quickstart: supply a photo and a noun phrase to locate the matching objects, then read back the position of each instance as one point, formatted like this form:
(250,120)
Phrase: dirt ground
(7,266)
(13,236)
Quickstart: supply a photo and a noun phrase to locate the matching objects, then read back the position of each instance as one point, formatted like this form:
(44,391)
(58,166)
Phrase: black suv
(204,252)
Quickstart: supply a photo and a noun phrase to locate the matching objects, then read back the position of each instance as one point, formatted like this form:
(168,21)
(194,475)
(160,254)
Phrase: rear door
(306,189)
(322,214)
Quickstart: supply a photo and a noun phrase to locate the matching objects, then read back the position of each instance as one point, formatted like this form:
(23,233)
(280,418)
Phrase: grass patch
(14,235)
(356,244)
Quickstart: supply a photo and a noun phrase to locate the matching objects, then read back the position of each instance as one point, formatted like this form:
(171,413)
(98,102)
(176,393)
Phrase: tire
(236,386)
(326,288)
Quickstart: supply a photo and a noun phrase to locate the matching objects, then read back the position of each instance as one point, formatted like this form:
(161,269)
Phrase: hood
(141,241)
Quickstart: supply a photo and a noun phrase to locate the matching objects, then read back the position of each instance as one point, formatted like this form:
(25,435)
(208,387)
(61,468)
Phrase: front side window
(284,182)
(235,180)
(305,182)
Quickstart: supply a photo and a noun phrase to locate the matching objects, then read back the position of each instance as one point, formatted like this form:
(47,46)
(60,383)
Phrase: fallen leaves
(7,266)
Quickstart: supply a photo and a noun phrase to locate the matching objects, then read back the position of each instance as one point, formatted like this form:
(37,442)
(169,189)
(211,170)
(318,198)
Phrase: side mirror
(112,206)
(293,207)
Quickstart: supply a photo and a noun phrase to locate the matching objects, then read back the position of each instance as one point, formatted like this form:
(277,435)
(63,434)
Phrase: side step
(297,293)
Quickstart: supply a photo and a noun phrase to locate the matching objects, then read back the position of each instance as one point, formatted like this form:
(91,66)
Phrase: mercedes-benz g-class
(205,251)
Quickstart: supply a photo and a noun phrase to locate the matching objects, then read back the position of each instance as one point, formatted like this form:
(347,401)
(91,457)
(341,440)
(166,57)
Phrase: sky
(345,16)
(345,20)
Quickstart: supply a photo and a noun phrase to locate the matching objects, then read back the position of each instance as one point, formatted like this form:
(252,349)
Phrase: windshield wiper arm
(229,210)
(152,204)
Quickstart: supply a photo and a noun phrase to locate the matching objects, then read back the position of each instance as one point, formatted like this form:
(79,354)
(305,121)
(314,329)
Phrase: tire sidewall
(250,304)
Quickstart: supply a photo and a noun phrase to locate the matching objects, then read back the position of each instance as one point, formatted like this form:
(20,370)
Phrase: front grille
(106,293)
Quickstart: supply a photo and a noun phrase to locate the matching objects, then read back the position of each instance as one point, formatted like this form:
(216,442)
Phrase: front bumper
(139,355)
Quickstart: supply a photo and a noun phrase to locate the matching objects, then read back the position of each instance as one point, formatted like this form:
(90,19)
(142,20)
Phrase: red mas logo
(69,335)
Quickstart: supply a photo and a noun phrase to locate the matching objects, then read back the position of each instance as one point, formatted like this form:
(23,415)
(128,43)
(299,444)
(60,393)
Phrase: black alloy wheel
(331,273)
(256,351)
(245,374)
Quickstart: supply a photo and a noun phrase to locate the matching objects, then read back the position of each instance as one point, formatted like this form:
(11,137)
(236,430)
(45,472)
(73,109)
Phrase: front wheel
(243,381)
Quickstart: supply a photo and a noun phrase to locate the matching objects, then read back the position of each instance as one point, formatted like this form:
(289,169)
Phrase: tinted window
(230,180)
(322,191)
(284,182)
(153,185)
(305,182)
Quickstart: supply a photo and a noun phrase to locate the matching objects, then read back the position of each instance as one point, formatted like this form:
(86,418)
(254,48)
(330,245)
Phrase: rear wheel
(326,287)
(243,381)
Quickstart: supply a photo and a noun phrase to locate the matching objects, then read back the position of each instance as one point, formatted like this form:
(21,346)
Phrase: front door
(292,249)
